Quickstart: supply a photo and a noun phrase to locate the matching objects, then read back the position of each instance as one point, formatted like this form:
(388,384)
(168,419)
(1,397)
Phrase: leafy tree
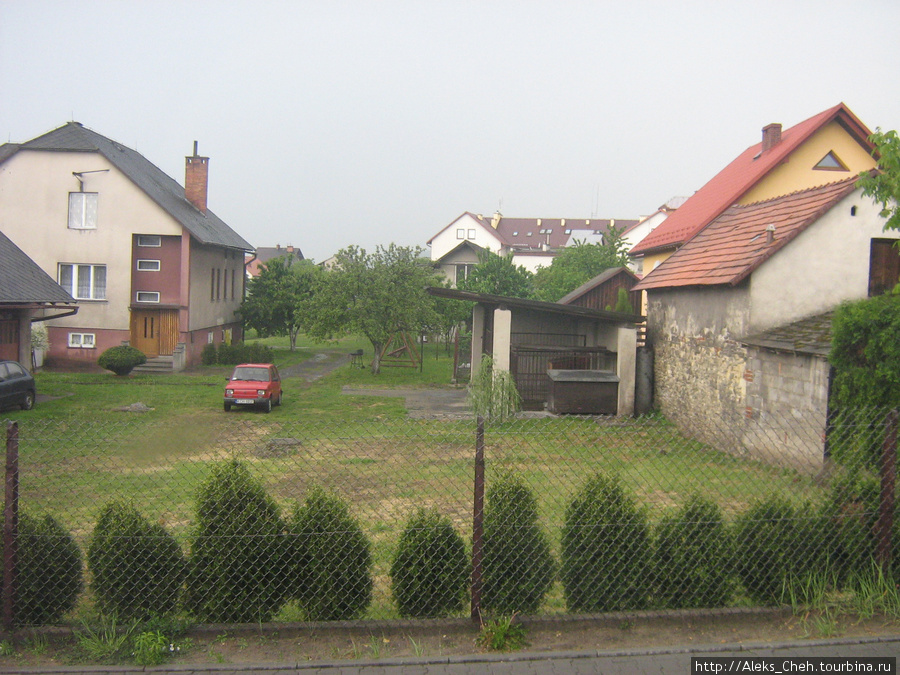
(885,186)
(374,294)
(580,263)
(279,296)
(498,275)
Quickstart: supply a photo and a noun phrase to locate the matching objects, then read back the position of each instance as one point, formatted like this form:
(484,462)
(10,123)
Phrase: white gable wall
(34,206)
(827,264)
(447,240)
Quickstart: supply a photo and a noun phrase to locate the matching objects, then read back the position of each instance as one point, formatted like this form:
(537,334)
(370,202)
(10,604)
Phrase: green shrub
(237,551)
(865,354)
(235,353)
(518,567)
(693,555)
(850,513)
(49,575)
(209,355)
(605,549)
(137,567)
(122,359)
(777,545)
(331,561)
(429,572)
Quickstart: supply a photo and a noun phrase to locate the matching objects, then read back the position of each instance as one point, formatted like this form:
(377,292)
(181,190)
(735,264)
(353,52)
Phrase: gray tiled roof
(807,336)
(166,192)
(23,281)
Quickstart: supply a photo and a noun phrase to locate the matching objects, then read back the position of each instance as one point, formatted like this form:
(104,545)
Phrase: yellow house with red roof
(822,149)
(750,268)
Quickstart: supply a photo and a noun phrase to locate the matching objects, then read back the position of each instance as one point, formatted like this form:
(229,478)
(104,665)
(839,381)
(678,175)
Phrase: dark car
(254,384)
(16,386)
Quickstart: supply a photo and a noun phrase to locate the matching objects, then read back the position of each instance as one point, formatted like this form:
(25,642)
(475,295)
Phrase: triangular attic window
(831,162)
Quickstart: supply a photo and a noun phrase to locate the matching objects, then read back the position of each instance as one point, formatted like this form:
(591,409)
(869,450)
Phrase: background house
(27,294)
(532,242)
(264,254)
(148,262)
(739,317)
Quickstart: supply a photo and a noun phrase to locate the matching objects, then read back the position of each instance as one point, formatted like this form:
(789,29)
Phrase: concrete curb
(209,669)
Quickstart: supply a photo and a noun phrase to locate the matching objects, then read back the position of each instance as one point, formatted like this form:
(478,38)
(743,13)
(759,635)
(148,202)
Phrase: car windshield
(251,374)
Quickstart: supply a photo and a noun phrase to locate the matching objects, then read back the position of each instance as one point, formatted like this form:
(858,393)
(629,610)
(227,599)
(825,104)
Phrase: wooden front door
(145,331)
(154,331)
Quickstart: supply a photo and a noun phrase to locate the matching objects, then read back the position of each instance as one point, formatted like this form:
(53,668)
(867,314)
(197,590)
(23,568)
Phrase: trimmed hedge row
(246,561)
(233,354)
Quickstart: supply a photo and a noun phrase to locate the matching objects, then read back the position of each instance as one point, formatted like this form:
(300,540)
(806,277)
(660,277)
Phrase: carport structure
(529,338)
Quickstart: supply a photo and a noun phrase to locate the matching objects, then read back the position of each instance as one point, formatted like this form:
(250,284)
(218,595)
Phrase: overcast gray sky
(334,123)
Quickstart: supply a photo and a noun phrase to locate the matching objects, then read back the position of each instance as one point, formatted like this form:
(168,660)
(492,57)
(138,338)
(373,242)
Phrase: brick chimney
(771,136)
(196,179)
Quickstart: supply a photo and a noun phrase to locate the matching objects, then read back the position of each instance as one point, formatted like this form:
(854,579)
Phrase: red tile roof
(741,175)
(523,234)
(735,243)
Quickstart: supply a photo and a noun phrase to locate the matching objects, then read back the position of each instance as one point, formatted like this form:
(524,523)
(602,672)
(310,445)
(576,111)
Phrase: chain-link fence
(244,519)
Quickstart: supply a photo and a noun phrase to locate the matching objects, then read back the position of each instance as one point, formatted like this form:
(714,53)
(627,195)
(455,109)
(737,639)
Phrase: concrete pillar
(502,338)
(477,337)
(626,352)
(643,387)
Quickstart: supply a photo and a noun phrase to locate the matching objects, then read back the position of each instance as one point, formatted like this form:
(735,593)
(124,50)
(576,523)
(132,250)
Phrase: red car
(256,384)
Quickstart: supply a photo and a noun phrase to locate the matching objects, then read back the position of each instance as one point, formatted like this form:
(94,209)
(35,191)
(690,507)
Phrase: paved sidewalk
(638,662)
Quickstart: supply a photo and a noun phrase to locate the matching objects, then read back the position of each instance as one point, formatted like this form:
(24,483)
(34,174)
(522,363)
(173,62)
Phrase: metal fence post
(10,525)
(477,516)
(885,522)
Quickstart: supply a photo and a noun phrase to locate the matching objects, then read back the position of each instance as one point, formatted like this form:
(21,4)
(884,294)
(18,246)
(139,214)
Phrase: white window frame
(460,233)
(95,292)
(142,240)
(147,265)
(82,340)
(152,294)
(470,234)
(83,208)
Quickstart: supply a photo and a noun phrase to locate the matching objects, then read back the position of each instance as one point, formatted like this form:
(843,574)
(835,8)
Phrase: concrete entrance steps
(157,364)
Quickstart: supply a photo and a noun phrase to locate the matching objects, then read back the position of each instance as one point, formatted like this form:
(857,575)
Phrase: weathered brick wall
(787,404)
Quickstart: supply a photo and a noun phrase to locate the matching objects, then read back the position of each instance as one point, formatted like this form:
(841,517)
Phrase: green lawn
(78,452)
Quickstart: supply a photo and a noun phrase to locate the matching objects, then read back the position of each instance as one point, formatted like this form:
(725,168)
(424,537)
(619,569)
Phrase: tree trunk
(376,360)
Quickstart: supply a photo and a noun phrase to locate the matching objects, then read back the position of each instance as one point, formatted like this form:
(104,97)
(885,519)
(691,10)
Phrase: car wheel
(28,401)
(267,406)
(278,400)
(227,407)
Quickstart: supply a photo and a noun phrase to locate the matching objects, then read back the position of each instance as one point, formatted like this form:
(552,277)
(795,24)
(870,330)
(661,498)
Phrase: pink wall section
(60,353)
(167,281)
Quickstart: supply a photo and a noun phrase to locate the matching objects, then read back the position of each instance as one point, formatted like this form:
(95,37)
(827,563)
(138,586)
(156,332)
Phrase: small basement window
(82,340)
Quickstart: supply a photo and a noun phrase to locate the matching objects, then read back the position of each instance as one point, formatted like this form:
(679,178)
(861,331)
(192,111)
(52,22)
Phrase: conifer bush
(518,566)
(237,556)
(330,559)
(49,571)
(777,545)
(137,567)
(429,572)
(606,553)
(693,556)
